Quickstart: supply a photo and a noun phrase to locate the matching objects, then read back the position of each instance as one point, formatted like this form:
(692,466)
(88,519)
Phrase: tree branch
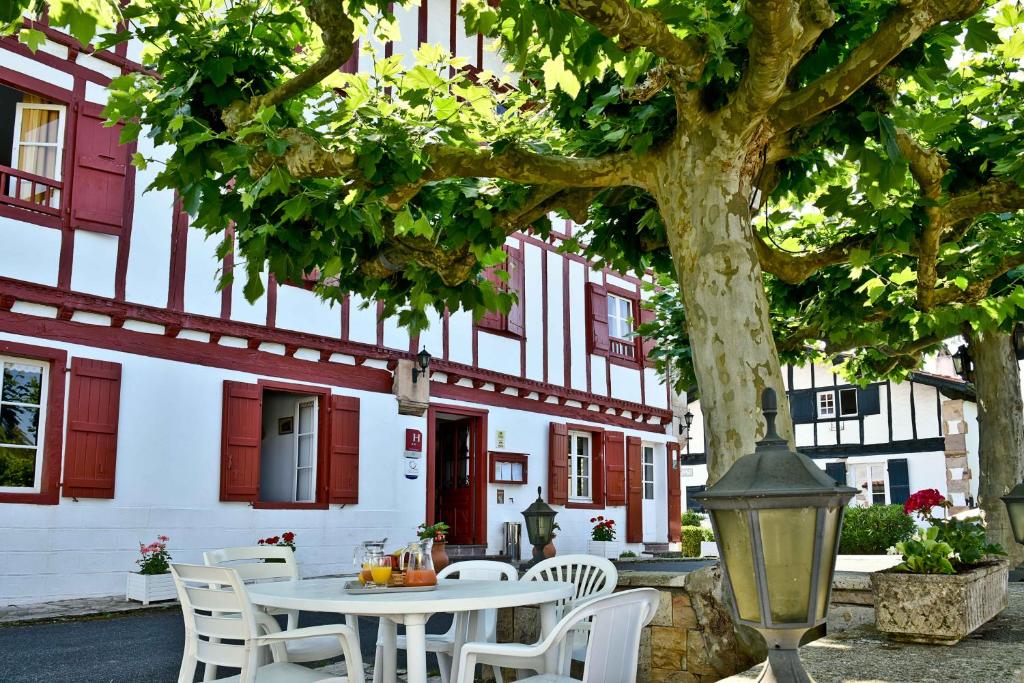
(977,290)
(995,196)
(632,27)
(928,167)
(795,268)
(897,32)
(337,31)
(542,201)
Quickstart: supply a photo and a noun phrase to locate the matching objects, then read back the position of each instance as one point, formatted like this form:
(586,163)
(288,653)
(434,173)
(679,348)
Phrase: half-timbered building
(138,399)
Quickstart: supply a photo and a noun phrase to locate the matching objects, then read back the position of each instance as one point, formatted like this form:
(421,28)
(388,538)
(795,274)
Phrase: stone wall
(691,638)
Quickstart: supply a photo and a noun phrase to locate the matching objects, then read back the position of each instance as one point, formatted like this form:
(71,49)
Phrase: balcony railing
(621,348)
(30,191)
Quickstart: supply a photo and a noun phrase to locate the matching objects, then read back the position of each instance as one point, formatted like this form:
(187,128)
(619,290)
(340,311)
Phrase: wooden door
(454,454)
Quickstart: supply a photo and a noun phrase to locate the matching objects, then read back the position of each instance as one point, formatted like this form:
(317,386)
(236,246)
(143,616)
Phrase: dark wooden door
(454,455)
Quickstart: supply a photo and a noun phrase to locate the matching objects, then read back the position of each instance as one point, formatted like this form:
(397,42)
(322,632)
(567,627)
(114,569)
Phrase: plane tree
(654,122)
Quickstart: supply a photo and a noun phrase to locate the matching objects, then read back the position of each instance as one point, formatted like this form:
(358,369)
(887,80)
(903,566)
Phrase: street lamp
(963,364)
(423,360)
(1014,501)
(1018,340)
(777,516)
(540,526)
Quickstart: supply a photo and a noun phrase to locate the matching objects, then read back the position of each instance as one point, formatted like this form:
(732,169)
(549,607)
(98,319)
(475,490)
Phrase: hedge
(690,538)
(873,530)
(690,518)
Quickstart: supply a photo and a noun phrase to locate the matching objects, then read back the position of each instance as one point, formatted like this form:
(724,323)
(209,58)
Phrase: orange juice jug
(418,565)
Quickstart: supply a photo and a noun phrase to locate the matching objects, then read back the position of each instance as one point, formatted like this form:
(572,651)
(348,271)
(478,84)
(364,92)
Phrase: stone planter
(938,608)
(708,549)
(147,588)
(609,549)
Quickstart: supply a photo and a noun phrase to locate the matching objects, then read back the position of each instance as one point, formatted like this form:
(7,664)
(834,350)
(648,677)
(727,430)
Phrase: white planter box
(708,549)
(147,588)
(609,549)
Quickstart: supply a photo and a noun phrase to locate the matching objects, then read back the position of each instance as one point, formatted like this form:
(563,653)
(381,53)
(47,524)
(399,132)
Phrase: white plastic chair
(444,645)
(249,562)
(223,628)
(615,623)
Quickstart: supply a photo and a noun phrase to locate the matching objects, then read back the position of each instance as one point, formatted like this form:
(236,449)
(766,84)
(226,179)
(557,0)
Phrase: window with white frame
(870,481)
(620,317)
(648,472)
(31,148)
(289,447)
(305,452)
(580,469)
(826,404)
(847,402)
(23,384)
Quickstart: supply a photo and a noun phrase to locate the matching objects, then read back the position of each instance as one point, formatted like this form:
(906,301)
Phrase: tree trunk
(705,206)
(1000,433)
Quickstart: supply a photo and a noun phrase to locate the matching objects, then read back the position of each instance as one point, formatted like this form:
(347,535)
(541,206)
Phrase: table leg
(416,647)
(548,621)
(385,660)
(465,629)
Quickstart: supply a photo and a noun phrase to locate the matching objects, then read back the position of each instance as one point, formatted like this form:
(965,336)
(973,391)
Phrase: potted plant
(602,539)
(438,533)
(949,582)
(287,540)
(153,581)
(550,550)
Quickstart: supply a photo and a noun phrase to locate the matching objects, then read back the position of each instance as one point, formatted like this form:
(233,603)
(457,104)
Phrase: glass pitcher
(367,555)
(418,565)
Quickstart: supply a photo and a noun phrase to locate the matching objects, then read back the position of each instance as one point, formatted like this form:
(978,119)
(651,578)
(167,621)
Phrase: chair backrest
(216,607)
(591,575)
(251,562)
(480,570)
(616,622)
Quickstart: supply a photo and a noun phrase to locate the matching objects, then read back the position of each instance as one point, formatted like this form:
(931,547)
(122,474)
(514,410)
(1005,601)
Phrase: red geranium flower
(923,501)
(288,536)
(600,518)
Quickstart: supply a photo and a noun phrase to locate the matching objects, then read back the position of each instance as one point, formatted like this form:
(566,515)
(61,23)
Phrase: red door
(455,447)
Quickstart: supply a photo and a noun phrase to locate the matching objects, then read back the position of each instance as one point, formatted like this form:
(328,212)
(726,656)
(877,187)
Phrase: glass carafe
(418,565)
(367,555)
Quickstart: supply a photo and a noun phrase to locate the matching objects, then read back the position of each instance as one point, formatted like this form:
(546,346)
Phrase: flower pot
(439,555)
(147,588)
(938,608)
(549,550)
(708,549)
(609,549)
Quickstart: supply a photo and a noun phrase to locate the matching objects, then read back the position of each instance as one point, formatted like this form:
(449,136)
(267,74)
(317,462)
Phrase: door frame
(479,464)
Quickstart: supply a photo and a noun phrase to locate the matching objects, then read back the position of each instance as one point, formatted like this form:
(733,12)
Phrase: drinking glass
(381,571)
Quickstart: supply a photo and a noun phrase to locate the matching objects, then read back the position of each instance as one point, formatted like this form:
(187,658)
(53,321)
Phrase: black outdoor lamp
(776,517)
(423,360)
(1014,501)
(540,526)
(1018,340)
(963,364)
(685,427)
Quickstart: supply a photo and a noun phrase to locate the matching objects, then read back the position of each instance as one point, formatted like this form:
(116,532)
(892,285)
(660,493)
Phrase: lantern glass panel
(544,524)
(787,542)
(736,545)
(830,535)
(1016,512)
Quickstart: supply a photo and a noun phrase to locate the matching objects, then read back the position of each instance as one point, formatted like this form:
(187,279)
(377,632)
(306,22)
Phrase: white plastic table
(413,609)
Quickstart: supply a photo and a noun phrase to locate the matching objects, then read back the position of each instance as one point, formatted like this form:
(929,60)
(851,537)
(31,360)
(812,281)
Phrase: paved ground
(137,647)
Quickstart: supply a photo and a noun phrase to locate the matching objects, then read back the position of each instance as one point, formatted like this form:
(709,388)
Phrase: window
(305,452)
(512,281)
(31,150)
(826,404)
(23,388)
(648,472)
(620,317)
(288,449)
(869,480)
(847,402)
(580,467)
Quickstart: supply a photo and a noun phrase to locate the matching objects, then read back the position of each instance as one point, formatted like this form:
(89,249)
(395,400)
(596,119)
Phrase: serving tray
(355,588)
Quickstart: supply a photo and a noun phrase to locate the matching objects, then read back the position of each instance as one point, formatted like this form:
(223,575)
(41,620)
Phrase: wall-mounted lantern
(1014,501)
(776,517)
(423,361)
(963,363)
(540,526)
(1018,340)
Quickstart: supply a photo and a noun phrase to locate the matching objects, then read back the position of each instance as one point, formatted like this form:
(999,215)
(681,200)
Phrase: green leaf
(904,276)
(32,38)
(557,76)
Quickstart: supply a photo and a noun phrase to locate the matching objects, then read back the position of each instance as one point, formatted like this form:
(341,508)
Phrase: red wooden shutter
(516,320)
(634,492)
(558,464)
(615,466)
(344,451)
(647,343)
(93,408)
(241,433)
(493,320)
(101,174)
(597,319)
(675,488)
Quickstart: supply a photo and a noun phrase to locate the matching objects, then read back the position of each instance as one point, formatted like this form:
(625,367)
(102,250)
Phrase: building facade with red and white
(138,400)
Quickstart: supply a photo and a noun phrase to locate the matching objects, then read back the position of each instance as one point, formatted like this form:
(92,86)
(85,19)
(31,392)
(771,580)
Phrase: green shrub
(709,535)
(627,554)
(690,538)
(690,518)
(873,530)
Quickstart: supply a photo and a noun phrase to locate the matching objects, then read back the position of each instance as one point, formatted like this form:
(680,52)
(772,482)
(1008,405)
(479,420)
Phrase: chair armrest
(509,655)
(345,634)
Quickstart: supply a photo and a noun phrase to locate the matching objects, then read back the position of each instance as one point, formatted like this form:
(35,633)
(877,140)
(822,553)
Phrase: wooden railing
(623,348)
(30,191)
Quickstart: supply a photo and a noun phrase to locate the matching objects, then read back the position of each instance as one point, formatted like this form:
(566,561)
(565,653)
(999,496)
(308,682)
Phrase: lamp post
(540,523)
(777,516)
(685,428)
(423,360)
